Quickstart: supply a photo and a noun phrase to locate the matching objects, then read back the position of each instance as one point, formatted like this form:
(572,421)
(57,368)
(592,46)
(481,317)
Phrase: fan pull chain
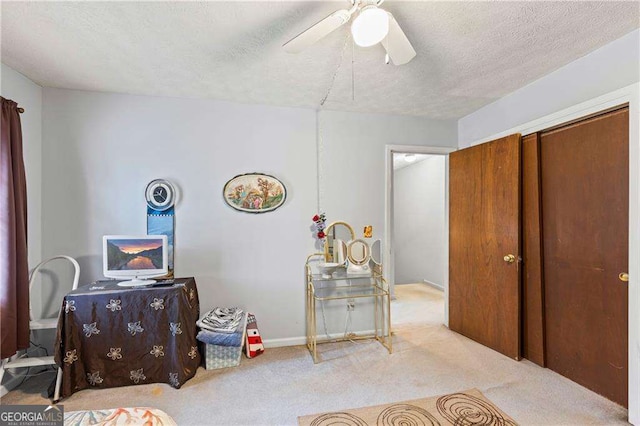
(335,74)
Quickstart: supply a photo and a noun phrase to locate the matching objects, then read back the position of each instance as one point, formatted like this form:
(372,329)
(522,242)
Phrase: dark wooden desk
(112,336)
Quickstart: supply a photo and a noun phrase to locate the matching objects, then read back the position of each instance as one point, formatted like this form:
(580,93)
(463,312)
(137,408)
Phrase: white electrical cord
(319,152)
(347,323)
(319,141)
(324,320)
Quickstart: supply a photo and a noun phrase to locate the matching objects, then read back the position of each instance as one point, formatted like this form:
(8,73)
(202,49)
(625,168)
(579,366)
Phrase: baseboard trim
(434,285)
(287,341)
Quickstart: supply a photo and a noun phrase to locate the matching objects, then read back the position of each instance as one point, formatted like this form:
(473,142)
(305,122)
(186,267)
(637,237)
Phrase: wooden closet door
(585,205)
(532,253)
(484,227)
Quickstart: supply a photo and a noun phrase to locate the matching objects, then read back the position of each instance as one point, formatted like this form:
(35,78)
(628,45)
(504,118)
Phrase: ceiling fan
(372,25)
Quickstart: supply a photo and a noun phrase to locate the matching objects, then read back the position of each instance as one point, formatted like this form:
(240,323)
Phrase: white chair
(42,324)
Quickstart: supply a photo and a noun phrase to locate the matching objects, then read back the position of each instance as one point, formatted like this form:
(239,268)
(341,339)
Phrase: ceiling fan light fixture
(370,27)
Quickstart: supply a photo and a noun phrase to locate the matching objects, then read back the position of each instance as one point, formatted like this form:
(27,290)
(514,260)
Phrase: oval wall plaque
(254,193)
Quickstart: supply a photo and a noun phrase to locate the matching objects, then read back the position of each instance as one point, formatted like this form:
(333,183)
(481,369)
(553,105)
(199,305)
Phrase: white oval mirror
(358,252)
(336,231)
(376,252)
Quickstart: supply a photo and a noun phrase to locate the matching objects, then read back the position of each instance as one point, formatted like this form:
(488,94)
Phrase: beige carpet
(428,360)
(460,409)
(417,304)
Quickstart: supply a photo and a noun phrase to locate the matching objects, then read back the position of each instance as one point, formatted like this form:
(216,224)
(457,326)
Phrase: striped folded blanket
(221,320)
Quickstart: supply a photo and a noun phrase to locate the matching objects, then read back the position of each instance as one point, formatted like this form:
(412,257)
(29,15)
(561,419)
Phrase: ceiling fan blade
(397,44)
(318,31)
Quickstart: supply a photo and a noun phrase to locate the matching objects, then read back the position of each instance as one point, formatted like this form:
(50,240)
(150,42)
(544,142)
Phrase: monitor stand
(136,283)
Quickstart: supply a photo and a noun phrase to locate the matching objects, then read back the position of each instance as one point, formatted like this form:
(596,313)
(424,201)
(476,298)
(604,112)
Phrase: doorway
(416,237)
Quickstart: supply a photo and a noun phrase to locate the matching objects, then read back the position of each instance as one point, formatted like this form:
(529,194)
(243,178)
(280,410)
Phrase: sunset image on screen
(134,254)
(136,246)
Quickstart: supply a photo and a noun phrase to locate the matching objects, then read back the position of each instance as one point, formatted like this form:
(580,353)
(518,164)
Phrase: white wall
(419,218)
(352,161)
(600,80)
(102,149)
(613,66)
(352,153)
(28,95)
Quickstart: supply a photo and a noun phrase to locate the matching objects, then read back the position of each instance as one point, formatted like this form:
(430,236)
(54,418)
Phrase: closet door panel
(532,278)
(585,205)
(484,227)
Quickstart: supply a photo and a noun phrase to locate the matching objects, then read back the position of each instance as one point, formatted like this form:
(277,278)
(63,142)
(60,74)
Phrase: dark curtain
(14,269)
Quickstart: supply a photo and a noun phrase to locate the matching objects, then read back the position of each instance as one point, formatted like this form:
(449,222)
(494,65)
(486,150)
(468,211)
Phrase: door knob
(509,258)
(623,276)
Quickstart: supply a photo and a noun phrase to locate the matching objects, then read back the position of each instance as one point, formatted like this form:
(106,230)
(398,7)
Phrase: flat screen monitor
(134,258)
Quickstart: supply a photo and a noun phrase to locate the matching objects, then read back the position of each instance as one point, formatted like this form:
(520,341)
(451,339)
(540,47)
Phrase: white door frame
(630,95)
(388,213)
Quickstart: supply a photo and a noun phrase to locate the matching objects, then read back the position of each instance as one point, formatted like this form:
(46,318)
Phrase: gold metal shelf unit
(321,289)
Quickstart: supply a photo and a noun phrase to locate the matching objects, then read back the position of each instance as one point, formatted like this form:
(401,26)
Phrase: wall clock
(160,194)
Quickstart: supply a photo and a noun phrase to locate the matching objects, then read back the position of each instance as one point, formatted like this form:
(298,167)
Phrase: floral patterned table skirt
(112,336)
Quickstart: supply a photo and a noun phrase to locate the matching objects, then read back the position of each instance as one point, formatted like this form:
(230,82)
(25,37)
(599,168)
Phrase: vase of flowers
(319,221)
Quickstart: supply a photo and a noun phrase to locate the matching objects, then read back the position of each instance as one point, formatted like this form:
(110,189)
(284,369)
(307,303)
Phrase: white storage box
(216,356)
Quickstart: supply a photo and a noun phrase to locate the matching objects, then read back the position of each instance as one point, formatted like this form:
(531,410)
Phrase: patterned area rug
(460,409)
(119,416)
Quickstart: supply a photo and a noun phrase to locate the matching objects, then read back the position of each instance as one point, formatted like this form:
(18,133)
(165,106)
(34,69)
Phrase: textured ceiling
(469,53)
